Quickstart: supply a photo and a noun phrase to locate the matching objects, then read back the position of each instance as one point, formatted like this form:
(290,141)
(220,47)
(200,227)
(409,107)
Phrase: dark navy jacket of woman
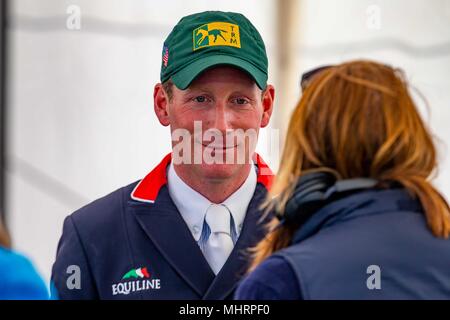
(134,244)
(374,244)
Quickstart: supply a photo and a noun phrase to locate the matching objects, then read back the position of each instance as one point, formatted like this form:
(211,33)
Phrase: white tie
(219,244)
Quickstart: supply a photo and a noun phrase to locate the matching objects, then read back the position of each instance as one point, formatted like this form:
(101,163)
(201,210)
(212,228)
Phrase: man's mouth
(218,146)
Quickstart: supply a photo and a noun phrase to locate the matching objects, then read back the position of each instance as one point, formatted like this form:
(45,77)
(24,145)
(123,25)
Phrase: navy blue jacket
(134,244)
(332,254)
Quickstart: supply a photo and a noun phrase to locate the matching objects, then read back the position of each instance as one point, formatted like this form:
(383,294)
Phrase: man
(182,231)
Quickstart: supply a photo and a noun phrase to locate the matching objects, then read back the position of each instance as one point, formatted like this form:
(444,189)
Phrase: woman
(18,278)
(358,217)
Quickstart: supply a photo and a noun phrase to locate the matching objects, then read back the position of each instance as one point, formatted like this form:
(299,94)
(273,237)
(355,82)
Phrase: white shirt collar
(192,205)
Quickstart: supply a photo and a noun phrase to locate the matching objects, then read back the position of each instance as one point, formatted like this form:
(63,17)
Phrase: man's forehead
(223,74)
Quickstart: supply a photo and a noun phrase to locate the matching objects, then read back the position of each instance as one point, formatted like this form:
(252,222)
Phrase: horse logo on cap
(216,34)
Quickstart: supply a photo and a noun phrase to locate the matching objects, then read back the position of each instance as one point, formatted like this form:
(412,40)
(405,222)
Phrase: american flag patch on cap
(165,57)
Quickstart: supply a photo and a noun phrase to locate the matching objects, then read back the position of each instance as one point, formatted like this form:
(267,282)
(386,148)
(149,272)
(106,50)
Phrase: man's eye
(240,101)
(200,99)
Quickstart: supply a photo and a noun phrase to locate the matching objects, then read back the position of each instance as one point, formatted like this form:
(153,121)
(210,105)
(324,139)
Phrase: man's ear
(267,102)
(161,104)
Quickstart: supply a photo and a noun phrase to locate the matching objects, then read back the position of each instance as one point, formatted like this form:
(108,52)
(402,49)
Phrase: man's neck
(216,190)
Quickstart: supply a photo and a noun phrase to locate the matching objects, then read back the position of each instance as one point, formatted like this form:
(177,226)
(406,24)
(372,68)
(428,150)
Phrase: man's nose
(222,118)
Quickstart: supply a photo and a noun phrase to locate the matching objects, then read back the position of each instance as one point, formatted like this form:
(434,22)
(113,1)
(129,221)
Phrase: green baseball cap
(203,40)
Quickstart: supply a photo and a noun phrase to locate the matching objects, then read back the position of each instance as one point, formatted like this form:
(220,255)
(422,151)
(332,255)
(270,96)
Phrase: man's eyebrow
(250,94)
(191,89)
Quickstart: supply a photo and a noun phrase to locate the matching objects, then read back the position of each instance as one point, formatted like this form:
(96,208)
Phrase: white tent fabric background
(81,121)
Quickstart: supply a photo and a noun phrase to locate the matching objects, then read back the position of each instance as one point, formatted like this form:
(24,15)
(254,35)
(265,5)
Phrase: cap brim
(183,78)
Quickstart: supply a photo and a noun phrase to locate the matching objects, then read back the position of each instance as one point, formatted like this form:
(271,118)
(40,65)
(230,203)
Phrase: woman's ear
(267,102)
(161,104)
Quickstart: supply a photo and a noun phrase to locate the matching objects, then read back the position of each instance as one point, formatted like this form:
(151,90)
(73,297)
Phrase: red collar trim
(147,189)
(265,175)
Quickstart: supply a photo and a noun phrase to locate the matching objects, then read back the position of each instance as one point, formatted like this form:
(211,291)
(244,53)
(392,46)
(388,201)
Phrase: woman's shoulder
(18,277)
(273,279)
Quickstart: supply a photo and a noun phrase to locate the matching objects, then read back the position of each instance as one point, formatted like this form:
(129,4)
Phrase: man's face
(218,102)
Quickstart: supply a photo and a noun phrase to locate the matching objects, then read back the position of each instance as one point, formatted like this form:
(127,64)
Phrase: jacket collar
(148,188)
(361,204)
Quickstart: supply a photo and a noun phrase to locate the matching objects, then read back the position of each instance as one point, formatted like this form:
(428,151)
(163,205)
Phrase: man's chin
(219,171)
